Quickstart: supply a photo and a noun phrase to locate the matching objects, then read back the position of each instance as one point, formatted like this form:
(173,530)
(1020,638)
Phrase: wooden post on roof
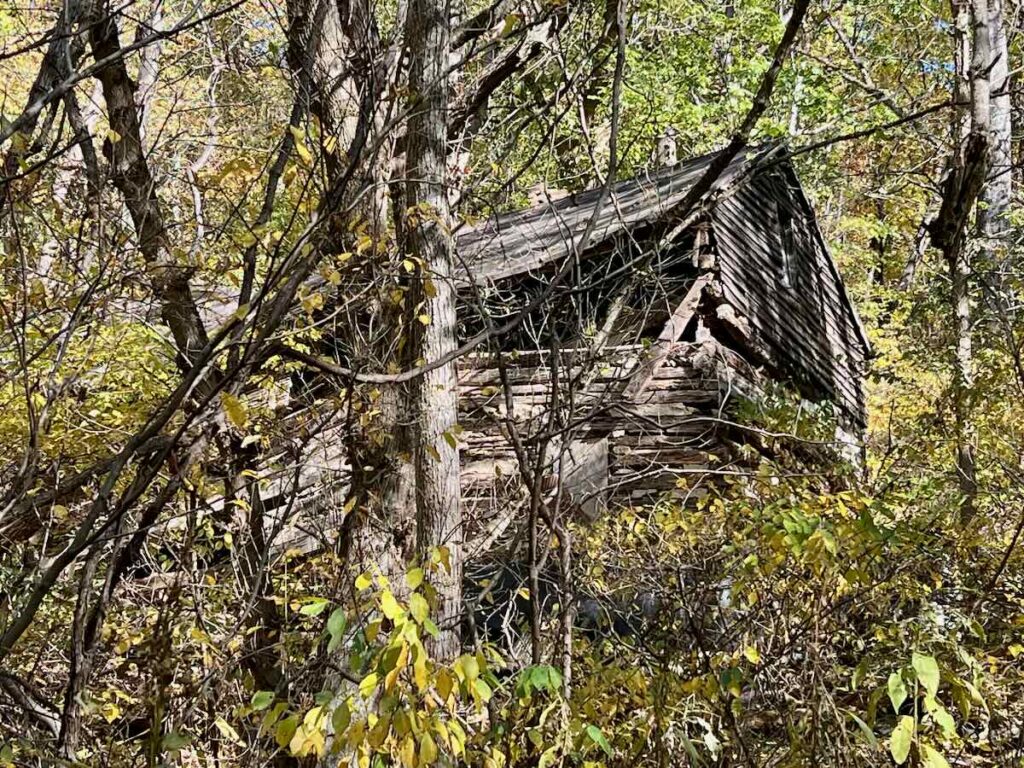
(665,151)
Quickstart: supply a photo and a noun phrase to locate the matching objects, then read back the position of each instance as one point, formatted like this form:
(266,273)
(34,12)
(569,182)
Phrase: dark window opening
(787,252)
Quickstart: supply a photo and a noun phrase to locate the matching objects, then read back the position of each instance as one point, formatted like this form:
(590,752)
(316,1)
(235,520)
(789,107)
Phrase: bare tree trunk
(131,175)
(961,189)
(428,240)
(996,194)
(149,68)
(963,377)
(337,58)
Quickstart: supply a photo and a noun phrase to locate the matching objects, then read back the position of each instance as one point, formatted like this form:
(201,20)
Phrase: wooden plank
(667,339)
(584,472)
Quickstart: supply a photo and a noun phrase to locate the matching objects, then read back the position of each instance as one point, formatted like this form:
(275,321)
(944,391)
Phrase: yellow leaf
(752,654)
(418,607)
(368,684)
(113,136)
(234,409)
(414,577)
(389,606)
(408,753)
(403,656)
(445,684)
(509,25)
(428,749)
(467,667)
(419,668)
(445,555)
(425,319)
(227,730)
(300,145)
(312,718)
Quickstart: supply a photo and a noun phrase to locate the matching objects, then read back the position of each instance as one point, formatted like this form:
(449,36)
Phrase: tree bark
(998,188)
(428,240)
(961,190)
(132,177)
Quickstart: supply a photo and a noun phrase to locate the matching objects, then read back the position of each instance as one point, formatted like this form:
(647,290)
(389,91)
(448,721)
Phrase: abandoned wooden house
(654,336)
(626,365)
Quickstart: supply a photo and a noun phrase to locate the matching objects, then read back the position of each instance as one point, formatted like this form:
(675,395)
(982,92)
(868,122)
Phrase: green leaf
(897,691)
(548,757)
(865,729)
(901,740)
(858,675)
(483,690)
(336,623)
(262,699)
(314,607)
(932,758)
(595,735)
(341,717)
(940,715)
(285,730)
(509,25)
(927,670)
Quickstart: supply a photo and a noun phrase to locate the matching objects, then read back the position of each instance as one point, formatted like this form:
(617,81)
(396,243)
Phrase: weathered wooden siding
(673,429)
(808,326)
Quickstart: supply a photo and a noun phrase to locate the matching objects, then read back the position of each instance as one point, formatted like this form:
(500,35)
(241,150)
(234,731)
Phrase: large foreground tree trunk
(429,241)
